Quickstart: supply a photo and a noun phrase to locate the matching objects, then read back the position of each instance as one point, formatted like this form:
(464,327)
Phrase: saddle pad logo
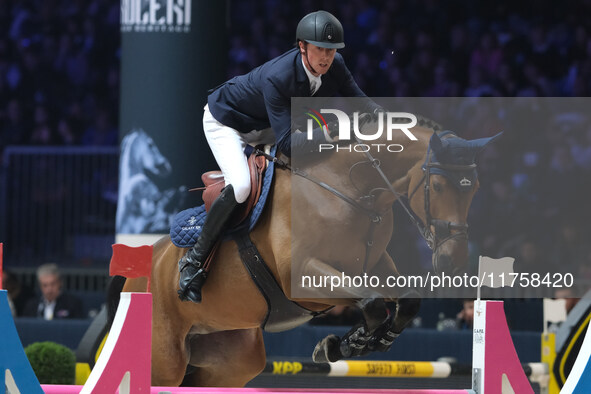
(191,224)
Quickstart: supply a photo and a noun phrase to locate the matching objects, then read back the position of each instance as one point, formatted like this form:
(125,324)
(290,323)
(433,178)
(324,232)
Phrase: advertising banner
(167,66)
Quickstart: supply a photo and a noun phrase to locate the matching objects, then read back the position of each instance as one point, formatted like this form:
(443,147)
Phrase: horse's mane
(429,123)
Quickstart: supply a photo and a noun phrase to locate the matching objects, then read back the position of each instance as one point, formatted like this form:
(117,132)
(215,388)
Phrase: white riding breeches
(227,146)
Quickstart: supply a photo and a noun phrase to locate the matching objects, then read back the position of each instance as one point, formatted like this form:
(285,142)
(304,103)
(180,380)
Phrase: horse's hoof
(354,343)
(324,351)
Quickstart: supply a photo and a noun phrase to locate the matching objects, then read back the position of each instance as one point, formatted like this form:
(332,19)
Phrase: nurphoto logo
(388,123)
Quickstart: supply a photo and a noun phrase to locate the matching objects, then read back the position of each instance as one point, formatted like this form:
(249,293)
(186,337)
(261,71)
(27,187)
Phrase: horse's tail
(113,295)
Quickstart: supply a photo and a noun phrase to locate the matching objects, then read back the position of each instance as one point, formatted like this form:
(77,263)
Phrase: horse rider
(243,106)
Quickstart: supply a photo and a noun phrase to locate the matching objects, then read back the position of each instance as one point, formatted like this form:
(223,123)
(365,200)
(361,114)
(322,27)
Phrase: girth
(282,313)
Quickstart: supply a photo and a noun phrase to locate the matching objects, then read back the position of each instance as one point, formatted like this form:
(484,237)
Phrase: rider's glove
(331,132)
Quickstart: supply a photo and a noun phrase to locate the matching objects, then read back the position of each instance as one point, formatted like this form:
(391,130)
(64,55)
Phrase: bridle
(444,230)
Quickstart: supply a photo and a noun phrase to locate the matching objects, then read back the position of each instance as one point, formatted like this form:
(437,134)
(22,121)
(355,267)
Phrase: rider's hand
(331,132)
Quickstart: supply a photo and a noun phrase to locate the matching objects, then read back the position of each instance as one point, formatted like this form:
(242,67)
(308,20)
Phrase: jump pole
(495,366)
(492,348)
(503,370)
(536,372)
(127,353)
(124,363)
(65,389)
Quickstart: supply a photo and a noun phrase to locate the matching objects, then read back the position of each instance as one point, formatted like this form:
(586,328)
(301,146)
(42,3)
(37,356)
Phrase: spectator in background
(569,295)
(18,294)
(53,304)
(465,318)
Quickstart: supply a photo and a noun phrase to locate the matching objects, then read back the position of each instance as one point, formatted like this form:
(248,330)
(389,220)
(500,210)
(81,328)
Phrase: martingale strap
(282,313)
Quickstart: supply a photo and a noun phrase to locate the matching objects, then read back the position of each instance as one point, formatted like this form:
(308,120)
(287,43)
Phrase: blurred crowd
(59,72)
(431,48)
(59,84)
(532,201)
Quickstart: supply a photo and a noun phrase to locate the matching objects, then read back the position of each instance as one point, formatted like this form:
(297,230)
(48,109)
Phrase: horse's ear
(435,143)
(480,143)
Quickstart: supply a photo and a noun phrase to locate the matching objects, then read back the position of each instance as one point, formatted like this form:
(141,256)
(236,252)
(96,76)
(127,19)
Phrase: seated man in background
(53,304)
(465,318)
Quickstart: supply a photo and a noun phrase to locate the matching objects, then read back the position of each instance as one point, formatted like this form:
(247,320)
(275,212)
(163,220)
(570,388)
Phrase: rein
(444,227)
(375,217)
(449,230)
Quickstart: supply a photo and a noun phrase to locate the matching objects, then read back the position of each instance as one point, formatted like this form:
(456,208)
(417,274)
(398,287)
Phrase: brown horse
(219,342)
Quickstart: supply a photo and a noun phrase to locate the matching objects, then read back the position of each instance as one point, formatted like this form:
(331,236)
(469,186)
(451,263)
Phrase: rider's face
(318,60)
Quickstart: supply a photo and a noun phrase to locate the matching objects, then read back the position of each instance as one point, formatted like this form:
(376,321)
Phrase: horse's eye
(437,187)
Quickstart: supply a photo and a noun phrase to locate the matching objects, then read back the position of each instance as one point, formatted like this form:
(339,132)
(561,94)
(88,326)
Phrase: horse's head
(448,179)
(143,155)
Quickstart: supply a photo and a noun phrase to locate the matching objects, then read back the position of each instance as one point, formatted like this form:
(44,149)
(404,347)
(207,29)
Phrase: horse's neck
(398,167)
(412,158)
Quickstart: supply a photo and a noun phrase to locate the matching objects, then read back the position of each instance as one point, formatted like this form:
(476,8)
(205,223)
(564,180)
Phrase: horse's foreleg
(355,342)
(362,339)
(407,307)
(378,329)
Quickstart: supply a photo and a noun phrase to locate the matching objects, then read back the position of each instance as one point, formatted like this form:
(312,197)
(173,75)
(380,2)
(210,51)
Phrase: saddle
(282,313)
(214,183)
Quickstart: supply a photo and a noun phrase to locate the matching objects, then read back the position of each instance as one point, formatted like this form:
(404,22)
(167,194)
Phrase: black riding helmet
(322,29)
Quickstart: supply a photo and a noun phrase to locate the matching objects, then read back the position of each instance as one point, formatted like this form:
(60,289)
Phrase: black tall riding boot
(192,275)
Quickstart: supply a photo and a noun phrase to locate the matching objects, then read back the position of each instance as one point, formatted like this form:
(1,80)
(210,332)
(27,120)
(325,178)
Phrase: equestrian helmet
(322,29)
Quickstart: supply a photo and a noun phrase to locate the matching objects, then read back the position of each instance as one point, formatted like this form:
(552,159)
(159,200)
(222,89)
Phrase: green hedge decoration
(53,363)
